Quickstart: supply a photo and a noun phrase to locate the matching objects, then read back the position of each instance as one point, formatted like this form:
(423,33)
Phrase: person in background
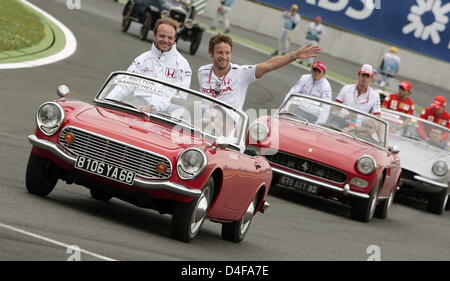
(222,15)
(314,34)
(389,67)
(400,101)
(292,19)
(435,113)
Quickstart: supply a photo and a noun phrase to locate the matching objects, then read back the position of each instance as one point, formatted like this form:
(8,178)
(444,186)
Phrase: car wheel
(99,195)
(41,175)
(188,218)
(364,209)
(146,26)
(382,210)
(126,21)
(195,43)
(447,208)
(438,202)
(236,231)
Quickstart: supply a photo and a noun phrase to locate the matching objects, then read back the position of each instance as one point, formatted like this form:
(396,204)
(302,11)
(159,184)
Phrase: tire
(447,208)
(99,195)
(195,43)
(145,26)
(41,176)
(188,218)
(438,202)
(236,231)
(382,210)
(364,209)
(126,21)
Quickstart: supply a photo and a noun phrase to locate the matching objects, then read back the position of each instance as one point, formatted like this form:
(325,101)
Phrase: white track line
(67,246)
(69,48)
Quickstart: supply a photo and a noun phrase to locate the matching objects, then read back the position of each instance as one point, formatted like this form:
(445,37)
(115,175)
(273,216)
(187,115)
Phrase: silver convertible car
(424,156)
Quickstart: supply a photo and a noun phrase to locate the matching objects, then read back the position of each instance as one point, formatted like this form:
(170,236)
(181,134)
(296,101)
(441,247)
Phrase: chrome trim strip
(423,179)
(164,185)
(346,190)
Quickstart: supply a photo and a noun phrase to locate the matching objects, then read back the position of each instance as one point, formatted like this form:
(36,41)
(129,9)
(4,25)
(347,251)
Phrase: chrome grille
(307,166)
(100,148)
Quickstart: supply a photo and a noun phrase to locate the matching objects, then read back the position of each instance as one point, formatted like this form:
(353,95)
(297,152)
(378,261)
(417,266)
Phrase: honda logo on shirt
(170,72)
(226,82)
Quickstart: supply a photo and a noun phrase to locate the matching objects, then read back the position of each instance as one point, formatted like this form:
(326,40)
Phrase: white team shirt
(168,66)
(367,102)
(306,85)
(391,63)
(232,87)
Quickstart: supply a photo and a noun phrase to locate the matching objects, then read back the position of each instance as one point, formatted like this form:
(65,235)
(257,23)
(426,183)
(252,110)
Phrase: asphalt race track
(294,228)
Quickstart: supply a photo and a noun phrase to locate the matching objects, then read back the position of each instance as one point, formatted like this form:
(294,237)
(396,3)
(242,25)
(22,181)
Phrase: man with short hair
(229,82)
(162,62)
(360,95)
(400,101)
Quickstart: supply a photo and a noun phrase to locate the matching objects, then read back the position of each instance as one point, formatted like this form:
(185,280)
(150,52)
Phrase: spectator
(222,15)
(400,101)
(389,67)
(292,19)
(360,95)
(313,35)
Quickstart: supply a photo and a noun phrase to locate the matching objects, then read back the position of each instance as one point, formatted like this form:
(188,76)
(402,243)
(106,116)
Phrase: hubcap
(200,210)
(445,202)
(373,205)
(247,218)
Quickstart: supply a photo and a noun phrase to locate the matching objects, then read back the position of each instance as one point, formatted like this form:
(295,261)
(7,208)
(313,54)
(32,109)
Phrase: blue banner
(422,26)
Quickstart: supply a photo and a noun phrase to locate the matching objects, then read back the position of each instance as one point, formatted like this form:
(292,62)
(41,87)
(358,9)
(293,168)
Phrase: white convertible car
(424,156)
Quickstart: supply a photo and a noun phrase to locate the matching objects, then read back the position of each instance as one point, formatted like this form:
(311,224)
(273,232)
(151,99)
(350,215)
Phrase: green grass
(20,28)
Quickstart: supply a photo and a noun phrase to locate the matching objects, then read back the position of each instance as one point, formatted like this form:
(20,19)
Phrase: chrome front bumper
(149,185)
(346,190)
(424,185)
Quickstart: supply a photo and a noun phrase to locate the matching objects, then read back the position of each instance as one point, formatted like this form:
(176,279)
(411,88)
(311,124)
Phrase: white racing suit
(169,66)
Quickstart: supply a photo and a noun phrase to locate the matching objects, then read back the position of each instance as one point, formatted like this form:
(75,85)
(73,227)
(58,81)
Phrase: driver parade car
(425,158)
(147,12)
(328,150)
(177,158)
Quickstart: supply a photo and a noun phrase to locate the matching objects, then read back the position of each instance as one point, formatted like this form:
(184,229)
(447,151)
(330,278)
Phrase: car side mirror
(62,91)
(394,149)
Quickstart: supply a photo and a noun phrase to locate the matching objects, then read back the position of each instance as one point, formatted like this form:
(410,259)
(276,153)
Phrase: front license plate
(105,170)
(298,185)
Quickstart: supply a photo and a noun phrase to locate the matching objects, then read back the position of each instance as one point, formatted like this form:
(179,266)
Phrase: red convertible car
(329,150)
(156,146)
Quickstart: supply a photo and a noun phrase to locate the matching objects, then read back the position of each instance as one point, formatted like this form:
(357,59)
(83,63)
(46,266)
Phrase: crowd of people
(229,82)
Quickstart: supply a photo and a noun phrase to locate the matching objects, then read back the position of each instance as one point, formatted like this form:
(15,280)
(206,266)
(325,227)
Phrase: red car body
(333,153)
(239,179)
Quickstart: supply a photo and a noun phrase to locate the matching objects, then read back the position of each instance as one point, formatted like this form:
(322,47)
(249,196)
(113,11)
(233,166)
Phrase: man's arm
(305,51)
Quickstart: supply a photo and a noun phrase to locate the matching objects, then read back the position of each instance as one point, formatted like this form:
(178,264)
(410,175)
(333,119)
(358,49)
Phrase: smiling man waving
(229,82)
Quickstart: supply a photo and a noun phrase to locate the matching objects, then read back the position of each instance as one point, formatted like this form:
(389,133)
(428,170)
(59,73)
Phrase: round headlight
(49,117)
(366,165)
(440,168)
(258,131)
(191,163)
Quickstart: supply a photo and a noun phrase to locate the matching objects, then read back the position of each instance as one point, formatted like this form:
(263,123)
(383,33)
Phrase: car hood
(122,126)
(418,156)
(321,145)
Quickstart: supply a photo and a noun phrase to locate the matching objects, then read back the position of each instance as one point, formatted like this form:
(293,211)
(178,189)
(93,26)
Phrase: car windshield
(416,128)
(183,108)
(335,116)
